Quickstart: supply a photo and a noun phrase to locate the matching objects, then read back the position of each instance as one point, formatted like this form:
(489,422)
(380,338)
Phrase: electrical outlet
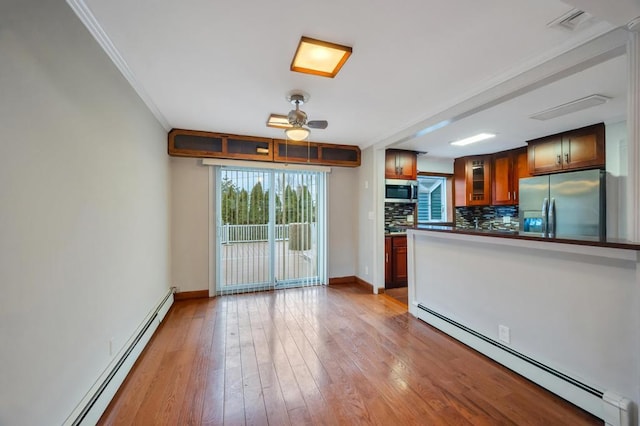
(503,334)
(366,270)
(111,347)
(506,219)
(371,216)
(366,184)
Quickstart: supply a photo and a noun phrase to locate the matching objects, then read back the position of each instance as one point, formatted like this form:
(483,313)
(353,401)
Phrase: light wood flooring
(321,355)
(401,294)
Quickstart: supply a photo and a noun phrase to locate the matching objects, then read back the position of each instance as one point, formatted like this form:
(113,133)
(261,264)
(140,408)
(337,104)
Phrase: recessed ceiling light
(278,121)
(569,107)
(472,139)
(319,57)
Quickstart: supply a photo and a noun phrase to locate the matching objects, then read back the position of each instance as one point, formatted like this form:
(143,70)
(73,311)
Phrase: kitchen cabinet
(395,272)
(582,148)
(507,169)
(193,143)
(400,164)
(387,260)
(472,180)
(200,144)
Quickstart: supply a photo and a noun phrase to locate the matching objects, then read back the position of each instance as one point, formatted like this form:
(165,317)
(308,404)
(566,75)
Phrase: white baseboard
(584,396)
(95,402)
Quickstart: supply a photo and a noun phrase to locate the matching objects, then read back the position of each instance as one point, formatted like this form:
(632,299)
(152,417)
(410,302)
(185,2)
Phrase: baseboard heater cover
(614,409)
(99,396)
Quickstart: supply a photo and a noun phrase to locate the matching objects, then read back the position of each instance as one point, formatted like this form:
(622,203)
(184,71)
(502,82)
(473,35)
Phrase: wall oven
(400,191)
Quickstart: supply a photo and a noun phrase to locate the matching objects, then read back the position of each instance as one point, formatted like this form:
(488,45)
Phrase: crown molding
(91,23)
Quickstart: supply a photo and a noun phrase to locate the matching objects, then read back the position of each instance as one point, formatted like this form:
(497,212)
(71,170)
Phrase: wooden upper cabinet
(400,164)
(582,148)
(199,144)
(545,156)
(286,151)
(193,143)
(508,167)
(472,180)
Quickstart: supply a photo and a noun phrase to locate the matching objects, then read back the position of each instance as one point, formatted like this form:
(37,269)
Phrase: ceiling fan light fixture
(319,57)
(297,133)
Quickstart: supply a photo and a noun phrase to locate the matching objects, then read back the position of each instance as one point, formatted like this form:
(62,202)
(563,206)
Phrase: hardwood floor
(321,355)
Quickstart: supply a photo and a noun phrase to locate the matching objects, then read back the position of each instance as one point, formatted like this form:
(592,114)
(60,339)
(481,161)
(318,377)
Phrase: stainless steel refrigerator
(563,205)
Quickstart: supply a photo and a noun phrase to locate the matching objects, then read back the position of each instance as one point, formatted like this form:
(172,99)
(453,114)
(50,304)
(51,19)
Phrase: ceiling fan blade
(318,124)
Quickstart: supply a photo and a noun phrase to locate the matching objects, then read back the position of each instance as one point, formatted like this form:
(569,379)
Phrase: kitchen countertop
(585,241)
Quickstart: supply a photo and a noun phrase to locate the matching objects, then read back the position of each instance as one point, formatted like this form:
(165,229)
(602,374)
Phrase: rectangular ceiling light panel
(569,107)
(319,57)
(278,121)
(473,139)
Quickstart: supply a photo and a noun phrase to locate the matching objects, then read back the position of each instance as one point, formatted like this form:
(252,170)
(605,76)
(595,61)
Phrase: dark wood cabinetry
(472,180)
(193,143)
(507,169)
(582,148)
(401,164)
(316,153)
(388,257)
(395,254)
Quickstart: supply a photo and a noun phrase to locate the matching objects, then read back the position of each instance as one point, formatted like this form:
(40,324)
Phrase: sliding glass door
(270,229)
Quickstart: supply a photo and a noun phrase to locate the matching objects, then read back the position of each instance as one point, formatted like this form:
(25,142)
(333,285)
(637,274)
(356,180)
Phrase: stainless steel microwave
(400,191)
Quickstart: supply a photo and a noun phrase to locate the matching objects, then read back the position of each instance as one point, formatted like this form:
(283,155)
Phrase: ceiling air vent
(572,20)
(569,107)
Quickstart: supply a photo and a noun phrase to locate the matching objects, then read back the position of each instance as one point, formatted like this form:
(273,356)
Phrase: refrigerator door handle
(545,207)
(552,218)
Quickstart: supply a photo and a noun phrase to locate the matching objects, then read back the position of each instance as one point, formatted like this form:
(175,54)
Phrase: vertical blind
(270,229)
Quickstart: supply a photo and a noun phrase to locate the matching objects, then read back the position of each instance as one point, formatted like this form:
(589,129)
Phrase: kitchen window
(433,198)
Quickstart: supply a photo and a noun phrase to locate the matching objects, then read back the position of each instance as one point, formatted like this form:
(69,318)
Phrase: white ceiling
(224,66)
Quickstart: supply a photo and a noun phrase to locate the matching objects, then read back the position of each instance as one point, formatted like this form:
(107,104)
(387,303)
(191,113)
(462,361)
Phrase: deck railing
(253,233)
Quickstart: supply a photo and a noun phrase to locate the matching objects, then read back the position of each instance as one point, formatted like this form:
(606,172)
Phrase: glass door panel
(270,229)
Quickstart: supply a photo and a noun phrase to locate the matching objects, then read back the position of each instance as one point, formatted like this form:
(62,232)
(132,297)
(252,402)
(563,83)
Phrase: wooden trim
(342,280)
(363,284)
(434,174)
(184,295)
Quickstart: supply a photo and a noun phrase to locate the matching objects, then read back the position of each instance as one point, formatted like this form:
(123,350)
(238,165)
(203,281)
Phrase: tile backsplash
(488,217)
(395,214)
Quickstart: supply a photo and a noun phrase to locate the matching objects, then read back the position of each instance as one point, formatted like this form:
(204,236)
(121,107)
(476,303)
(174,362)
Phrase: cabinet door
(400,165)
(502,182)
(521,170)
(479,181)
(399,266)
(460,181)
(387,262)
(545,155)
(581,151)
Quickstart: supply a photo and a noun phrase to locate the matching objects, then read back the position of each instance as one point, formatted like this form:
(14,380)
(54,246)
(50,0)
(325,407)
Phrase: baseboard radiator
(92,406)
(614,409)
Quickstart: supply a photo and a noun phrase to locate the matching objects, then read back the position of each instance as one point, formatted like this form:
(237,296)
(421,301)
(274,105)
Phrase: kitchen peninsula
(564,313)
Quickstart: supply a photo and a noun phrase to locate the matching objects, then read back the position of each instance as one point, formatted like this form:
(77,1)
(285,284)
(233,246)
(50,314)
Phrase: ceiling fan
(294,123)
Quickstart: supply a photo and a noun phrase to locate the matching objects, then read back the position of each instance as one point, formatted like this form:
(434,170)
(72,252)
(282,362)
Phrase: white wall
(574,308)
(342,199)
(616,157)
(435,165)
(190,232)
(83,216)
(365,210)
(189,224)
